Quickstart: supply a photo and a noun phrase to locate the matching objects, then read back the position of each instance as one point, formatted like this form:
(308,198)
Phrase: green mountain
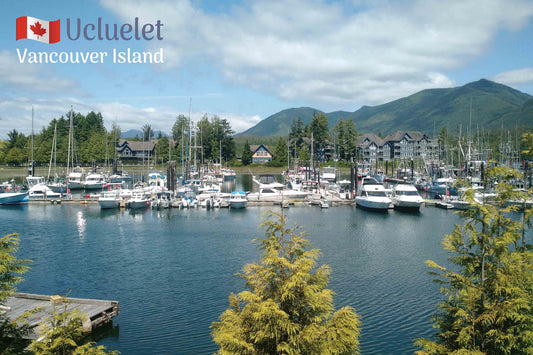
(492,105)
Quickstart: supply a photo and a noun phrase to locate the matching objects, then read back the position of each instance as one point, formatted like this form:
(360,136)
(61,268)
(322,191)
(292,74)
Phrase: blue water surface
(173,270)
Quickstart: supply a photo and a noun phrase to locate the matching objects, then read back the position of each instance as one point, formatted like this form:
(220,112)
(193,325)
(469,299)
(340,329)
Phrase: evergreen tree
(489,305)
(303,155)
(526,144)
(346,138)
(246,154)
(296,135)
(319,128)
(288,309)
(161,149)
(148,132)
(12,331)
(180,127)
(280,153)
(63,334)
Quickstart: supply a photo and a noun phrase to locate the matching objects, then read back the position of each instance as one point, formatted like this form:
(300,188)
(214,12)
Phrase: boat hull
(139,204)
(372,205)
(14,198)
(96,186)
(238,204)
(108,204)
(409,205)
(75,185)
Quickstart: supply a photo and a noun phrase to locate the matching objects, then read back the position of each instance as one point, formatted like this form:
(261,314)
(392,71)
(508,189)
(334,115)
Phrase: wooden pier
(98,311)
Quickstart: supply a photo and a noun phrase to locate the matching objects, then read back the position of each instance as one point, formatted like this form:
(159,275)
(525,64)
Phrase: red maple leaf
(37,29)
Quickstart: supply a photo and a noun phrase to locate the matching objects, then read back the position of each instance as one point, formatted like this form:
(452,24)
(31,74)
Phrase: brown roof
(139,146)
(255,147)
(371,137)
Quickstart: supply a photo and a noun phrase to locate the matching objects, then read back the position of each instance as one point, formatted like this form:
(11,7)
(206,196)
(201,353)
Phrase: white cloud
(36,78)
(16,114)
(325,51)
(515,77)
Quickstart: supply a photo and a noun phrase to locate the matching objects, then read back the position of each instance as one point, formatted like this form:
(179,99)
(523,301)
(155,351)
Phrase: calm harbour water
(172,271)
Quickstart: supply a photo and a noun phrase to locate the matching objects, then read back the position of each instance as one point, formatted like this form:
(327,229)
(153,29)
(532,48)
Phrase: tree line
(93,144)
(304,140)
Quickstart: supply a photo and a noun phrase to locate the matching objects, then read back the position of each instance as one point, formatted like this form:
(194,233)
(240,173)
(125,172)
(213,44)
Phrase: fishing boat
(329,173)
(109,199)
(75,179)
(372,196)
(94,181)
(14,198)
(163,199)
(238,199)
(41,191)
(139,199)
(406,197)
(37,188)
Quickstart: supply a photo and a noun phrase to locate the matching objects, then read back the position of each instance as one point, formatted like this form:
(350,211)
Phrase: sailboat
(55,185)
(76,175)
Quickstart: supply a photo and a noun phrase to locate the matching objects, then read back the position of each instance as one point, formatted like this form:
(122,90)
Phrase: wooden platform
(98,311)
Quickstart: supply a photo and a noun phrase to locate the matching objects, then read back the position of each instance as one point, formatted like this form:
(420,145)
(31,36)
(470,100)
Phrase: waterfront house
(135,151)
(400,145)
(370,147)
(261,154)
(407,145)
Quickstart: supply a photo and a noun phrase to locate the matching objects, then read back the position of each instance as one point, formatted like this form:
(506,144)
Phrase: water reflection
(81,222)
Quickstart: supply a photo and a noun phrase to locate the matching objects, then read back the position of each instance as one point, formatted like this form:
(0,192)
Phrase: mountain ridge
(490,105)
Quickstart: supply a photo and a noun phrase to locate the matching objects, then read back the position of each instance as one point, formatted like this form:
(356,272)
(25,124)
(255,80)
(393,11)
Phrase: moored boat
(14,198)
(406,197)
(139,199)
(94,181)
(238,199)
(372,196)
(109,199)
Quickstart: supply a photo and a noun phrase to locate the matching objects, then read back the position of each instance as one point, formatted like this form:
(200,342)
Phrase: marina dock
(98,311)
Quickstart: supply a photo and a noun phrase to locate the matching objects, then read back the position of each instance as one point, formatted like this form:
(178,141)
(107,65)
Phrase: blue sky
(246,60)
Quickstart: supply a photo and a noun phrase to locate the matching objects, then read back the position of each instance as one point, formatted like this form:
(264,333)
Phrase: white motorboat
(406,197)
(75,179)
(328,173)
(94,181)
(38,189)
(139,199)
(163,199)
(372,196)
(41,191)
(13,198)
(238,199)
(109,199)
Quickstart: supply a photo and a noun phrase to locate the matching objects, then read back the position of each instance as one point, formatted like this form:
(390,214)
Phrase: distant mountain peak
(492,104)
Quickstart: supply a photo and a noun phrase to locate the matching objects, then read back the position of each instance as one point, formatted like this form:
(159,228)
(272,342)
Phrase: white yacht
(139,199)
(94,181)
(75,179)
(406,197)
(37,188)
(238,199)
(372,195)
(163,199)
(109,199)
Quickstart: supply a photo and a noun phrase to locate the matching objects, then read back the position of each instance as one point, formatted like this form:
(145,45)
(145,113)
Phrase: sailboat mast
(52,154)
(189,143)
(69,142)
(31,162)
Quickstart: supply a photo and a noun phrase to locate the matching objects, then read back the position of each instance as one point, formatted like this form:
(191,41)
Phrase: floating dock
(98,311)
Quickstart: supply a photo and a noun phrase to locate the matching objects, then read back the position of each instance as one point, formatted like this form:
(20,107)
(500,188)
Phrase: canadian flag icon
(38,30)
